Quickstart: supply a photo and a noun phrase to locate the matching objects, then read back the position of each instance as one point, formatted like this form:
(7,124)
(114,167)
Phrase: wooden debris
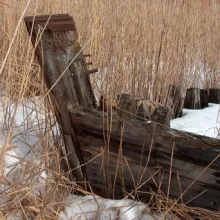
(123,155)
(162,115)
(126,106)
(204,98)
(214,96)
(192,99)
(128,152)
(174,101)
(196,98)
(145,109)
(57,54)
(153,111)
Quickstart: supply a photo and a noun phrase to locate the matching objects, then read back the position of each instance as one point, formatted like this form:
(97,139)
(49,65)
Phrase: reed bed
(140,47)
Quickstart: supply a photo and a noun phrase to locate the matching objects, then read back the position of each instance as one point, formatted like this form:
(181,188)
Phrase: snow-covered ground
(203,122)
(25,134)
(26,145)
(21,148)
(95,207)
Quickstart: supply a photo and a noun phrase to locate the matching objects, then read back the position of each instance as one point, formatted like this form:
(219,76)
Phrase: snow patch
(96,207)
(204,122)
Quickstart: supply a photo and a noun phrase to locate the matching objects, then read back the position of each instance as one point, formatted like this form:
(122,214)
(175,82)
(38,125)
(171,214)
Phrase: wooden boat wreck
(120,156)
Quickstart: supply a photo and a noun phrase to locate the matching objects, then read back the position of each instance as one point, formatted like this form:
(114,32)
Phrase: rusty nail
(90,63)
(92,71)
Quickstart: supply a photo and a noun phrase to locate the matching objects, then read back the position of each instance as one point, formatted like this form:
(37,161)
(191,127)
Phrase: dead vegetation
(140,47)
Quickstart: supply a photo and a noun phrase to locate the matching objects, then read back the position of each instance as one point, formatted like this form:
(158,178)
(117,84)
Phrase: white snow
(95,207)
(204,122)
(20,152)
(25,134)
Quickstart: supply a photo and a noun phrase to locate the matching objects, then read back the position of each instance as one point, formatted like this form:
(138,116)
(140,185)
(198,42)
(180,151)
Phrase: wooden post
(214,96)
(126,106)
(174,100)
(144,109)
(196,98)
(56,50)
(204,98)
(191,155)
(192,99)
(162,115)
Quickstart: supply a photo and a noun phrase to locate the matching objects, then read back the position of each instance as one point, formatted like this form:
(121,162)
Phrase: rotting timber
(121,156)
(55,39)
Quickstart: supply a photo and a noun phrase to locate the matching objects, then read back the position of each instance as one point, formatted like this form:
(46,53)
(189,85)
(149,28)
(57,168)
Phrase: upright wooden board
(204,98)
(192,99)
(174,100)
(64,70)
(214,96)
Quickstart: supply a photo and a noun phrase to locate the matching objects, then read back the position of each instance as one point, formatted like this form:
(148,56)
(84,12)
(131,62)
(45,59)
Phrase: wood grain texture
(57,51)
(123,161)
(174,100)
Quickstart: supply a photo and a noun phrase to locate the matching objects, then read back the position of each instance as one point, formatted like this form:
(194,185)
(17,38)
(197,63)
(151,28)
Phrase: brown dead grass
(140,47)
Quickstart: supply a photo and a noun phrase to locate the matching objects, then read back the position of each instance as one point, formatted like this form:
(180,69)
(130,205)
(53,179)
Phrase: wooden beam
(214,96)
(57,51)
(130,142)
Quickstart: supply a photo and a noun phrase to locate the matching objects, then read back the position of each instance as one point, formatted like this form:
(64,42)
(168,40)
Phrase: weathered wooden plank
(192,153)
(209,199)
(57,51)
(204,98)
(192,146)
(196,98)
(60,48)
(134,156)
(174,100)
(126,106)
(192,99)
(214,96)
(157,159)
(162,115)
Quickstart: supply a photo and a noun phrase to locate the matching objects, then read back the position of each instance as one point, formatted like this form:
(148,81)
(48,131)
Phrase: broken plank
(192,154)
(65,74)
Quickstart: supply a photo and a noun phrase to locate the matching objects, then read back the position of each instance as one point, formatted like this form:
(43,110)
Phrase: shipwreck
(119,156)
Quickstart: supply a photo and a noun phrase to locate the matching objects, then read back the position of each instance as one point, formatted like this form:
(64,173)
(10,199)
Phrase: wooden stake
(56,50)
